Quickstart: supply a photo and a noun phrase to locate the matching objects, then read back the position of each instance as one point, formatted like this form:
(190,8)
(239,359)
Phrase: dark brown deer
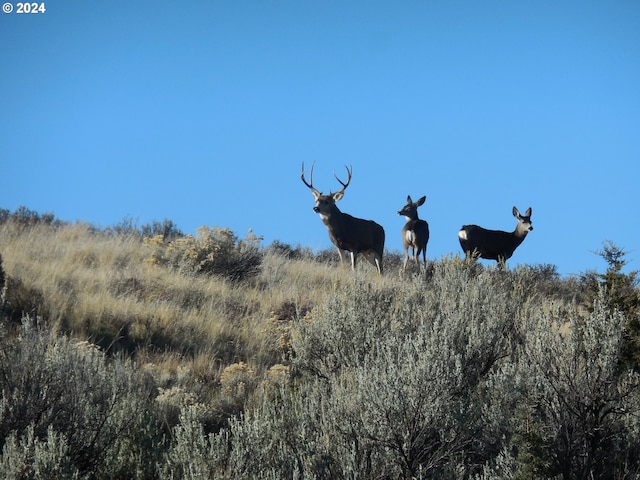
(348,233)
(495,244)
(415,233)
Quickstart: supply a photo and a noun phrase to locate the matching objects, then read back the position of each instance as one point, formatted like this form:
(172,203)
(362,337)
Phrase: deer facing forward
(415,233)
(495,244)
(347,233)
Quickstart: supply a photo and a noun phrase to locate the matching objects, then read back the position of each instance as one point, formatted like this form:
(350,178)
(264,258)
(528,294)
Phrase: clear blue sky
(202,113)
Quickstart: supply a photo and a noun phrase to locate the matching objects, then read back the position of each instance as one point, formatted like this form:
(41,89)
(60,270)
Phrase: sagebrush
(125,354)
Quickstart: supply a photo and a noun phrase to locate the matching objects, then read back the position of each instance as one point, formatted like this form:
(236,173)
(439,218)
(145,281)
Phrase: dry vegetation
(102,287)
(110,289)
(246,361)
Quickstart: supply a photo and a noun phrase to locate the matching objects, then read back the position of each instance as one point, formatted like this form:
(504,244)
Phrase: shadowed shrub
(215,251)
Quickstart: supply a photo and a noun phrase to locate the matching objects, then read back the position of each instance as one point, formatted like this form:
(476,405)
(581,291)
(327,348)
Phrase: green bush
(621,293)
(578,402)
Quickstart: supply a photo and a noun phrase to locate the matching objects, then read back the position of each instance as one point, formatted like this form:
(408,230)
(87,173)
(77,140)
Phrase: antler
(310,185)
(344,185)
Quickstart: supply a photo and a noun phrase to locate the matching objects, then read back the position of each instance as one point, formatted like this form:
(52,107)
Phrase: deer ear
(338,196)
(516,213)
(409,199)
(528,212)
(315,194)
(421,201)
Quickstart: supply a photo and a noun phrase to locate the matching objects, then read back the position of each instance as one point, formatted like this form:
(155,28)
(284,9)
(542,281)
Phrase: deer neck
(519,233)
(332,217)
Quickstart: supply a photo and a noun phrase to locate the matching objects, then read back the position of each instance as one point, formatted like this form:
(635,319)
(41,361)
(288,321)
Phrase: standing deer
(348,233)
(415,233)
(495,244)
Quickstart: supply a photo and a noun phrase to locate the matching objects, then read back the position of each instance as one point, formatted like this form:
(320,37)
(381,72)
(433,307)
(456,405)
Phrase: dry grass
(99,287)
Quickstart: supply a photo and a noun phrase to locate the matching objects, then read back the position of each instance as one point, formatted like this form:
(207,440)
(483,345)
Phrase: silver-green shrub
(54,389)
(27,456)
(416,397)
(471,373)
(391,383)
(474,373)
(281,439)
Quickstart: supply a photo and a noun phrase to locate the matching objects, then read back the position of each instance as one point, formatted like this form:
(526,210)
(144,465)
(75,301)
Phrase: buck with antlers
(415,233)
(495,244)
(348,233)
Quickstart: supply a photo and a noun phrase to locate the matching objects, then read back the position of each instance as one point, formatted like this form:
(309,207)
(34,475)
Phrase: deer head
(325,204)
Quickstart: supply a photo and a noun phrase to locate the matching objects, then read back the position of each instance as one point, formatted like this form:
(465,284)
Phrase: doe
(415,233)
(495,244)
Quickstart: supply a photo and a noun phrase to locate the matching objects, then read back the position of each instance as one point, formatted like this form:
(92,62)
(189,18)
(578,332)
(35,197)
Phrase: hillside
(133,352)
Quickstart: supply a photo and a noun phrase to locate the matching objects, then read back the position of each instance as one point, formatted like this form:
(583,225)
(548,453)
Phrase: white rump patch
(462,234)
(410,236)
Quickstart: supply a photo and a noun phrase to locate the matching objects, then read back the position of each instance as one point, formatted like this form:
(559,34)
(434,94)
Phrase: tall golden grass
(97,285)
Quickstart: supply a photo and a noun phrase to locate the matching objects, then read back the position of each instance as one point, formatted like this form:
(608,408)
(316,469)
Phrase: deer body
(495,244)
(346,232)
(415,233)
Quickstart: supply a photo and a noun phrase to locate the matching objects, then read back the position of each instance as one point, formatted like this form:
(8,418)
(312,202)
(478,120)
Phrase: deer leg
(417,257)
(353,260)
(341,254)
(406,258)
(379,265)
(376,260)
